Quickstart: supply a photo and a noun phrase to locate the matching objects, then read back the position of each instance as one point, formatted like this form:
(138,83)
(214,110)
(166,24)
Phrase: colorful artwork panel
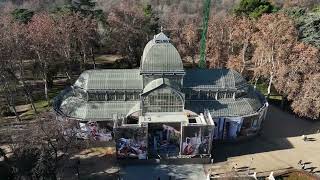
(196,140)
(164,139)
(131,142)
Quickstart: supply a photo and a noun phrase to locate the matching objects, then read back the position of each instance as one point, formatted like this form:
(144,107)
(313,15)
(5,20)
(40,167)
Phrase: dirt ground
(95,162)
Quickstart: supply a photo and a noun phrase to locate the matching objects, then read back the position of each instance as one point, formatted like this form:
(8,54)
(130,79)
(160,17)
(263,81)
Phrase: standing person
(77,164)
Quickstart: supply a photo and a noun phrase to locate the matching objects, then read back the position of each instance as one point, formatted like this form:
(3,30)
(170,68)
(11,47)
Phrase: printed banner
(131,142)
(196,140)
(164,139)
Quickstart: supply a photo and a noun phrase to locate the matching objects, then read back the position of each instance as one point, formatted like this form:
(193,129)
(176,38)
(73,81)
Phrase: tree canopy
(254,8)
(22,15)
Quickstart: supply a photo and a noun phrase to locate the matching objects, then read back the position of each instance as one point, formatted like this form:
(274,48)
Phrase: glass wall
(163,100)
(96,96)
(174,79)
(113,95)
(208,94)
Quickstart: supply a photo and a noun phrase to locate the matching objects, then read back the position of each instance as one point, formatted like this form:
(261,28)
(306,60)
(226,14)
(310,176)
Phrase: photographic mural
(97,131)
(196,140)
(131,142)
(164,139)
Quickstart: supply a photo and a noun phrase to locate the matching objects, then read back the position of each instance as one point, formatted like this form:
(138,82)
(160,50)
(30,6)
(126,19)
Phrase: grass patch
(55,91)
(27,113)
(276,97)
(263,88)
(41,106)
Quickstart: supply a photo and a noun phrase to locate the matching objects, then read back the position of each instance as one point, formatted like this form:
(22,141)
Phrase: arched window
(163,100)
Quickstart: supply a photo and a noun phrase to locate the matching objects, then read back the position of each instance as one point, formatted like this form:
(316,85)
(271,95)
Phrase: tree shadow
(255,145)
(277,119)
(163,171)
(273,136)
(311,139)
(97,161)
(310,169)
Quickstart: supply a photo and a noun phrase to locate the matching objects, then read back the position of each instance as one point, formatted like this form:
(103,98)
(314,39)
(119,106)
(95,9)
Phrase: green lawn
(42,105)
(263,88)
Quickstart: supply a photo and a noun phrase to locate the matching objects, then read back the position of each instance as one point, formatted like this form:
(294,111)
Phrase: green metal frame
(206,14)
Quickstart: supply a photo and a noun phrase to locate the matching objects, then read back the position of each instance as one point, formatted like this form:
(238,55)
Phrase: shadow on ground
(162,171)
(283,124)
(277,127)
(96,162)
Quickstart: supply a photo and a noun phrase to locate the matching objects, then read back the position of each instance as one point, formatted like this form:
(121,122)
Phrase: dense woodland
(46,44)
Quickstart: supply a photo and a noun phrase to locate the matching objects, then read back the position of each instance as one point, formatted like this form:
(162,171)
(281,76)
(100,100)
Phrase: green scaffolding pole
(206,14)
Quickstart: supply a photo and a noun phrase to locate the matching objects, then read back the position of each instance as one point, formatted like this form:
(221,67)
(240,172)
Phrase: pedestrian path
(162,171)
(278,160)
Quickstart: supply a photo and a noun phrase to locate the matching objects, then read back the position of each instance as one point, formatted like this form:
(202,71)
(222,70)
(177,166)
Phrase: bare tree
(241,33)
(275,36)
(14,53)
(130,28)
(76,36)
(218,41)
(42,40)
(184,34)
(297,79)
(40,149)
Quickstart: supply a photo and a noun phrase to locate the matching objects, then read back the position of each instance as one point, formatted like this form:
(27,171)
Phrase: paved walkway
(280,147)
(265,162)
(153,172)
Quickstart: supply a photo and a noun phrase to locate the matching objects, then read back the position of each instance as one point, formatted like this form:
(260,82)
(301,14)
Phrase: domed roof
(159,55)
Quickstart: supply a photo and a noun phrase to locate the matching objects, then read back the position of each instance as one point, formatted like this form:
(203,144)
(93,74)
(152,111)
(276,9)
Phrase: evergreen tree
(22,15)
(152,20)
(309,26)
(308,23)
(84,7)
(254,8)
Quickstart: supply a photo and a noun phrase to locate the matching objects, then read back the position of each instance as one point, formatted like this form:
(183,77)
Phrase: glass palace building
(161,109)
